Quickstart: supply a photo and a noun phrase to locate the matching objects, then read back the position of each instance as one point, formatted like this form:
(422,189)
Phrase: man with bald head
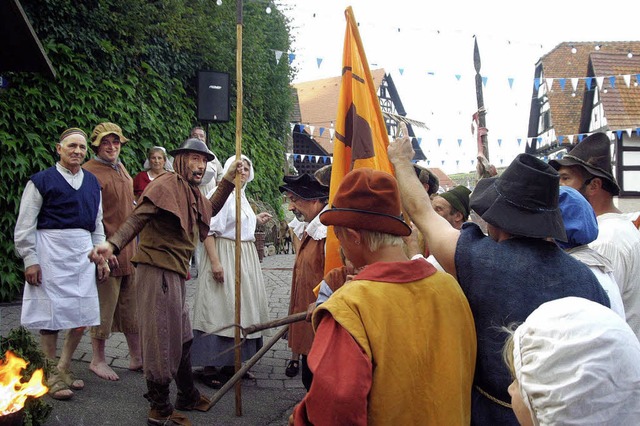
(60,219)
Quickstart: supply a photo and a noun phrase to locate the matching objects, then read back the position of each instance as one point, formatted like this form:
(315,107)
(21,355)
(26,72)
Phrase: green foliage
(22,343)
(135,64)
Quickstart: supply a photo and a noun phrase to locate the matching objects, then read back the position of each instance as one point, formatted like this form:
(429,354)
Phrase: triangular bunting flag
(484,81)
(562,82)
(574,83)
(599,81)
(458,76)
(612,81)
(292,56)
(588,81)
(278,55)
(536,84)
(627,79)
(319,61)
(549,82)
(510,80)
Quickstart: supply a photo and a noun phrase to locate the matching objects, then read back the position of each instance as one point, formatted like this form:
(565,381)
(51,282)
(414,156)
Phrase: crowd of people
(430,320)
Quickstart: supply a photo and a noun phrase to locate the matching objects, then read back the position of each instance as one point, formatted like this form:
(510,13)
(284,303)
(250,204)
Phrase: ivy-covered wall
(135,64)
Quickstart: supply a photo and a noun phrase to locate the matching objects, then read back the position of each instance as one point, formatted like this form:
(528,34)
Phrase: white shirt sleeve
(98,236)
(24,236)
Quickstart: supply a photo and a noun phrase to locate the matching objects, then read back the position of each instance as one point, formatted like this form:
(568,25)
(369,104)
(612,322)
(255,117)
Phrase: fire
(14,393)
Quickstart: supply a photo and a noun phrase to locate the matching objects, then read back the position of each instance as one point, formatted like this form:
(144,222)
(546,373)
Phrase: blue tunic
(504,282)
(64,207)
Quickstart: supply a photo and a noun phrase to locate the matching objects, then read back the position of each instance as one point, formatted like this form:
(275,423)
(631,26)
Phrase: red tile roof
(621,103)
(566,110)
(319,105)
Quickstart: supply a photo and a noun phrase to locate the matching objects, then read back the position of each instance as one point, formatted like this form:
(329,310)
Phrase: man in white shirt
(60,220)
(587,168)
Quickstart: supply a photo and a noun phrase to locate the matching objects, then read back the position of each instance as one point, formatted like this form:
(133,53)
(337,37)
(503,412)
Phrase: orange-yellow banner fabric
(361,137)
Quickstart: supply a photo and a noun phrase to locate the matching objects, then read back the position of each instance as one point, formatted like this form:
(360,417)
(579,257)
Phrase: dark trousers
(306,374)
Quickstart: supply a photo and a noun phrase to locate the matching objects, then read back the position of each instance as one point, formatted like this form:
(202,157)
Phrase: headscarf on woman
(221,224)
(578,363)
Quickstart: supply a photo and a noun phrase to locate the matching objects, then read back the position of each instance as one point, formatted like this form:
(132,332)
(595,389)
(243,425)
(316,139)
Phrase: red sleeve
(342,376)
(140,181)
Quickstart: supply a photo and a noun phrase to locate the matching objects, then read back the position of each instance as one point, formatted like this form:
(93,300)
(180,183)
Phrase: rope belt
(492,398)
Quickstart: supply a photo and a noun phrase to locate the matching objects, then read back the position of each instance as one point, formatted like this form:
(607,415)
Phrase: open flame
(14,393)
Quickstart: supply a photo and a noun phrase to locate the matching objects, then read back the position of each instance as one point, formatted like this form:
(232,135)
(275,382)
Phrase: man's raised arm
(441,237)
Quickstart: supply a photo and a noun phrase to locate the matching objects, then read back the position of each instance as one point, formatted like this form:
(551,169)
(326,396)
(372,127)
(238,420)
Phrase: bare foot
(103,371)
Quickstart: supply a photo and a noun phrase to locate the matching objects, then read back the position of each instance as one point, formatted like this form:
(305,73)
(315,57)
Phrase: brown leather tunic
(308,272)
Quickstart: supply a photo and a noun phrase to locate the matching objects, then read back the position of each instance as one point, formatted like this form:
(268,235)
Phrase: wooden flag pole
(238,182)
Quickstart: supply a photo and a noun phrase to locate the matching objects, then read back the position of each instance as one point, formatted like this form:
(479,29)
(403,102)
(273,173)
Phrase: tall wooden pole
(479,97)
(238,182)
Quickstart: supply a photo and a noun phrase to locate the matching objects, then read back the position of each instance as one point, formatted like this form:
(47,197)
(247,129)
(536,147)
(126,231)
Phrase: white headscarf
(578,363)
(223,223)
(168,163)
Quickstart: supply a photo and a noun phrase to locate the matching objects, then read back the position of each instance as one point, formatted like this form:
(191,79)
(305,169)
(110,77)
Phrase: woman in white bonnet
(574,362)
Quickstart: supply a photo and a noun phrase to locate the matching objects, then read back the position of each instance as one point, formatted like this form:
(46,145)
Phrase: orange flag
(360,132)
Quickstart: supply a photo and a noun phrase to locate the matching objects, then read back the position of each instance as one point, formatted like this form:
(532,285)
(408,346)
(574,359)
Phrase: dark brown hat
(367,199)
(305,186)
(426,176)
(523,200)
(594,155)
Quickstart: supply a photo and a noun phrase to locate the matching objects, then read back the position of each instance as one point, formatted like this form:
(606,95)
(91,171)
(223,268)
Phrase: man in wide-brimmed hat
(307,198)
(396,345)
(170,216)
(507,274)
(587,168)
(118,299)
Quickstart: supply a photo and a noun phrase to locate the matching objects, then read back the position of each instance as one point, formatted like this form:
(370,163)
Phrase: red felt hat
(367,199)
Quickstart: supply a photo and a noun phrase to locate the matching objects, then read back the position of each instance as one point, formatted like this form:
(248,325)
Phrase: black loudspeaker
(213,96)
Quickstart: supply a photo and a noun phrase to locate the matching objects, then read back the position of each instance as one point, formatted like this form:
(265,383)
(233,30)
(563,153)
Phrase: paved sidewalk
(266,401)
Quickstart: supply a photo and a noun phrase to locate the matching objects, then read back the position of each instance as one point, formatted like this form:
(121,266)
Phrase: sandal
(211,380)
(292,368)
(56,384)
(70,380)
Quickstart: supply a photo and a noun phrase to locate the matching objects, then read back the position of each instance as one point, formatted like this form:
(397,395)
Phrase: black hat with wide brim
(523,200)
(594,154)
(305,186)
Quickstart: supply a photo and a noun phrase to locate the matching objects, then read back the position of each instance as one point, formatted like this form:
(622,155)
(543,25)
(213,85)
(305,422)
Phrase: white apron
(67,297)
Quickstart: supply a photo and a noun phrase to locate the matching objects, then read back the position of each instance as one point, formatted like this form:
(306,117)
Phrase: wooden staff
(238,182)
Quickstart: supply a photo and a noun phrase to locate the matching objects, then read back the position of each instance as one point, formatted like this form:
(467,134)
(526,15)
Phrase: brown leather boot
(200,404)
(174,418)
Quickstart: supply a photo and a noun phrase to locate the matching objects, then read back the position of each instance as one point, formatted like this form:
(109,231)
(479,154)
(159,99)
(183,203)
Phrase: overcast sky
(428,50)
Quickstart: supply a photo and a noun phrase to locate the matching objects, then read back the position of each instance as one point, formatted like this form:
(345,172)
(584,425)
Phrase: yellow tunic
(420,338)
